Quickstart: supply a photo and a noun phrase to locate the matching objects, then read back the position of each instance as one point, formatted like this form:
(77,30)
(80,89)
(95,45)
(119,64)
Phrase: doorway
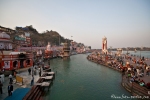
(21,63)
(15,64)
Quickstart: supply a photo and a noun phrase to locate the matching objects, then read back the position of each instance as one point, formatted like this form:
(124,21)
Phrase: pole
(19,58)
(140,53)
(59,40)
(31,52)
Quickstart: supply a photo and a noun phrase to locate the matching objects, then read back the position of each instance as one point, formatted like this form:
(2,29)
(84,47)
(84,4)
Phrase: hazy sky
(125,23)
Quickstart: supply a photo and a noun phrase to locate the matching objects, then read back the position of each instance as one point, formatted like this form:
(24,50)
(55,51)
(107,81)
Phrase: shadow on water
(66,63)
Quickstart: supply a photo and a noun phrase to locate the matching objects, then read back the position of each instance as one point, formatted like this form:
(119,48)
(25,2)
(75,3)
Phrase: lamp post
(59,40)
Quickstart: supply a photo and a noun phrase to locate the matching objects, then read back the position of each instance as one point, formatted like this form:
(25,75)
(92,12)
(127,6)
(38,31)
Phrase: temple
(9,59)
(48,52)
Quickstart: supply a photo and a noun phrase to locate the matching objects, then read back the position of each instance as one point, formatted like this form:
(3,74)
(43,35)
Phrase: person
(123,71)
(33,63)
(0,78)
(14,73)
(10,77)
(32,81)
(32,70)
(39,72)
(1,87)
(147,70)
(131,80)
(10,89)
(148,85)
(143,58)
(49,62)
(3,69)
(29,70)
(141,83)
(42,64)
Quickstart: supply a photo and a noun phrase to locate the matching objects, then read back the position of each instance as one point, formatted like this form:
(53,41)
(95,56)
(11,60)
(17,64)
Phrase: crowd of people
(133,68)
(10,86)
(37,68)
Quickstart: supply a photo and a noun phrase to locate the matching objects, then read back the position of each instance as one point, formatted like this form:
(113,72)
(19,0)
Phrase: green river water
(80,79)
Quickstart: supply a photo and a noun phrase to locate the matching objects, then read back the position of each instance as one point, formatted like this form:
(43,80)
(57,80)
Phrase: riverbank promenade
(19,89)
(135,71)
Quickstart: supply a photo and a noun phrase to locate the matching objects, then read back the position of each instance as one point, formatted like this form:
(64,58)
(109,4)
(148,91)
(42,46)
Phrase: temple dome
(4,35)
(48,48)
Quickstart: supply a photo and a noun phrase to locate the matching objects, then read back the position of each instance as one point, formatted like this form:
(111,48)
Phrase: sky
(125,23)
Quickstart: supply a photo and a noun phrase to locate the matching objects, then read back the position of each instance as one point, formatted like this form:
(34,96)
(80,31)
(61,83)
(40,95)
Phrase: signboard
(7,64)
(19,79)
(19,38)
(27,34)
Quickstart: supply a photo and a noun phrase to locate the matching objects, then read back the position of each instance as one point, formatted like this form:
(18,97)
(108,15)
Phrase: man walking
(39,72)
(29,70)
(1,87)
(10,89)
(32,81)
(10,77)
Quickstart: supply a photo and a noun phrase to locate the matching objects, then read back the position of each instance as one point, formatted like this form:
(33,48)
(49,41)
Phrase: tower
(104,45)
(66,50)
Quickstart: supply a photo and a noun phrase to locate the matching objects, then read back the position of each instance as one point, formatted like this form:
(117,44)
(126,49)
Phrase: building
(10,60)
(8,30)
(66,51)
(5,43)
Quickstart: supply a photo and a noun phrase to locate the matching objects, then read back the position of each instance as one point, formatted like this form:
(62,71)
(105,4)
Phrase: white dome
(4,35)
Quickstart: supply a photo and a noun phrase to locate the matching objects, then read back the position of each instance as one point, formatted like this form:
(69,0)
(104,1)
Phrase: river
(79,79)
(143,53)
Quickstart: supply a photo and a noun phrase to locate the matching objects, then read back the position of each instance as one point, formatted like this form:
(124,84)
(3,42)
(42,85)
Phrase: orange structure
(48,52)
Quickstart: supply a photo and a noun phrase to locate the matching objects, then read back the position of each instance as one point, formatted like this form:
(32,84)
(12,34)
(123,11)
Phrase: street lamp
(59,40)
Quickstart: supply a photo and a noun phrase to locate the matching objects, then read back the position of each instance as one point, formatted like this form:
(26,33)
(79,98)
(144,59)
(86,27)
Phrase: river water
(79,79)
(138,53)
(143,53)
